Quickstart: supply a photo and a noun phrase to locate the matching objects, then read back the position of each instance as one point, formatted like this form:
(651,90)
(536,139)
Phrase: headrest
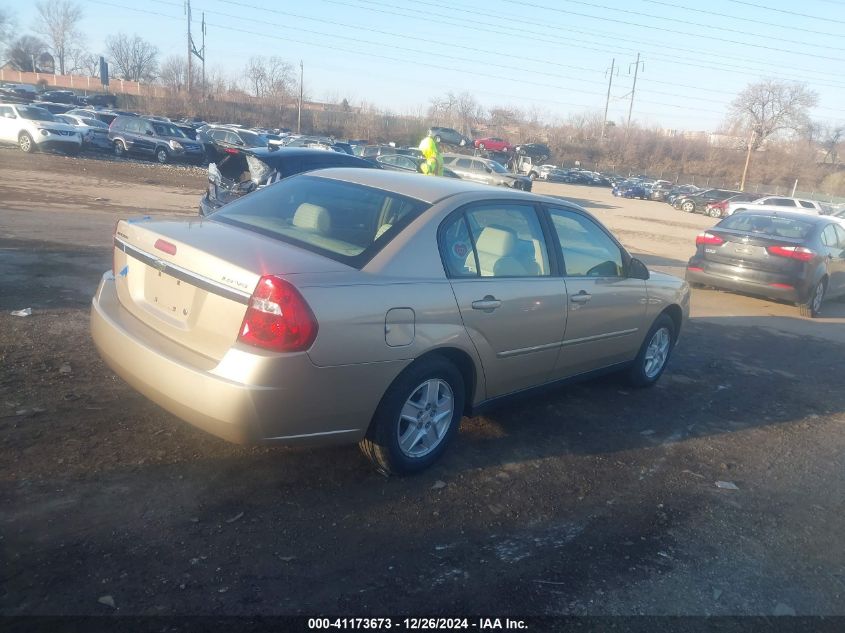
(496,241)
(310,217)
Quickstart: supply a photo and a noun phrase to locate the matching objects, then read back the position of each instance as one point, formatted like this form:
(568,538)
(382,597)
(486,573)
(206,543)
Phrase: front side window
(806,204)
(587,250)
(343,221)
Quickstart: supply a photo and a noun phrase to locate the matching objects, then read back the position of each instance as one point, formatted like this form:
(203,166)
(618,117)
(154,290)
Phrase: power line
(532,32)
(673,31)
(790,27)
(802,15)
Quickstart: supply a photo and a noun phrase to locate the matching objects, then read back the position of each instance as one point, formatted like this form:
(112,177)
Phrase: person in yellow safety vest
(433,164)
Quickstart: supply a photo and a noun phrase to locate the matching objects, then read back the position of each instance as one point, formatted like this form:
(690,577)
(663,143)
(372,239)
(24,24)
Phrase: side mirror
(150,133)
(637,270)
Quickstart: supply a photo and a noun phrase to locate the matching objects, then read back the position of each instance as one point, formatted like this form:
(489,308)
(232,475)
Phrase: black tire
(714,213)
(688,207)
(162,156)
(813,306)
(119,149)
(26,143)
(637,374)
(381,445)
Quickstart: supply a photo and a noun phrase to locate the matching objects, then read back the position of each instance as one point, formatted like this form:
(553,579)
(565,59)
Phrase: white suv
(30,127)
(776,203)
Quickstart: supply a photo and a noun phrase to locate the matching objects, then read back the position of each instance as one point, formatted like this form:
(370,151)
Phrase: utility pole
(190,45)
(299,112)
(203,54)
(634,88)
(607,101)
(747,160)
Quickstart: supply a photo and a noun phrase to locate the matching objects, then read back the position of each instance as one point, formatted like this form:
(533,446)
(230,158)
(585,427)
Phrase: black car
(785,255)
(219,141)
(103,100)
(697,202)
(449,136)
(53,108)
(240,173)
(534,150)
(61,96)
(153,138)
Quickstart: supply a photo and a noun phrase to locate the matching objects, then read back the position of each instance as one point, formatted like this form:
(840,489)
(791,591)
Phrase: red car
(493,144)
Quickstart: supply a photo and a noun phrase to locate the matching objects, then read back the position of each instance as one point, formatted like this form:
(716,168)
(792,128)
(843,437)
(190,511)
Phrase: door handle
(488,304)
(581,297)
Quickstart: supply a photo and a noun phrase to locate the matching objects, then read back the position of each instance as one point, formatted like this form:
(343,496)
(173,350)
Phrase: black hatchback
(784,255)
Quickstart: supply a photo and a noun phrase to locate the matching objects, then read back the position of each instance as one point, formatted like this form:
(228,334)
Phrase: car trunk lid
(747,250)
(192,281)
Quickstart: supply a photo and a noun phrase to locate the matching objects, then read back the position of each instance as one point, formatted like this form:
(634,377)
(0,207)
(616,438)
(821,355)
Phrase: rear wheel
(26,143)
(813,306)
(119,149)
(714,212)
(481,146)
(417,418)
(654,354)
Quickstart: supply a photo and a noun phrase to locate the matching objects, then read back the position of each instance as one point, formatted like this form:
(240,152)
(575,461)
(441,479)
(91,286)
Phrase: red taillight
(229,150)
(278,318)
(708,238)
(165,247)
(695,269)
(801,253)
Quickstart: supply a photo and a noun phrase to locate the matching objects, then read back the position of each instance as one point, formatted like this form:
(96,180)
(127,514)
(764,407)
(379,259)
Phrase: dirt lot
(592,499)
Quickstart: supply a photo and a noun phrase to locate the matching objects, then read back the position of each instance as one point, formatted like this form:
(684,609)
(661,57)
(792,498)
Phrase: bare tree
(831,138)
(57,21)
(270,77)
(173,73)
(23,52)
(768,107)
(133,58)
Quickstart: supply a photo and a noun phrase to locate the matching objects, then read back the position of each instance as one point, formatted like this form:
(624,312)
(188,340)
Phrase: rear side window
(829,237)
(806,204)
(767,225)
(346,222)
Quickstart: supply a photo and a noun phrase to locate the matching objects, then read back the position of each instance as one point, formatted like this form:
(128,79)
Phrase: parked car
(60,96)
(400,162)
(104,100)
(95,134)
(32,128)
(484,171)
(539,151)
(719,208)
(697,202)
(106,116)
(154,139)
(53,108)
(776,203)
(630,189)
(659,190)
(245,171)
(494,144)
(218,141)
(787,255)
(681,190)
(449,136)
(361,305)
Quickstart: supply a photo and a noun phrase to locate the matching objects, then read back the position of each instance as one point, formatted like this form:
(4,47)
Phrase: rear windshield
(767,225)
(346,222)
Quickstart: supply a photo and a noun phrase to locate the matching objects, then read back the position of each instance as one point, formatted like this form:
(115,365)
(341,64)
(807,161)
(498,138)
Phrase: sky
(552,56)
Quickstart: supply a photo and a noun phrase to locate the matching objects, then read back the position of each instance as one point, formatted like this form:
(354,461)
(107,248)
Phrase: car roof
(429,189)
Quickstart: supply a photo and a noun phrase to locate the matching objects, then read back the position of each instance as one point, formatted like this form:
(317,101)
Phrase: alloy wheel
(425,418)
(657,352)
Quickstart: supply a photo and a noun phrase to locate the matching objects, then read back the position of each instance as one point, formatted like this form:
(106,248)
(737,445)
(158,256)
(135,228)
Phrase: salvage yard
(720,491)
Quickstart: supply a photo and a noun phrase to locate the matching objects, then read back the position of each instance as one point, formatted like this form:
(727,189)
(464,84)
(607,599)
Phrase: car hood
(52,125)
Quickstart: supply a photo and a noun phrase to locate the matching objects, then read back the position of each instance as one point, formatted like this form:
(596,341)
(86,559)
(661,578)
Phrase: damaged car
(240,173)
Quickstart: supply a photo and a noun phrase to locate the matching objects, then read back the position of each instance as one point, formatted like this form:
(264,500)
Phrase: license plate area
(169,295)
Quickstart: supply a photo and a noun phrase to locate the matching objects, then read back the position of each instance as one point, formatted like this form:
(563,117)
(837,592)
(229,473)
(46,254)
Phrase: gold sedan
(357,305)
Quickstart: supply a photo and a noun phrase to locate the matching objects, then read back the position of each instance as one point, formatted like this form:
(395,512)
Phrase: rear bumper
(765,284)
(249,396)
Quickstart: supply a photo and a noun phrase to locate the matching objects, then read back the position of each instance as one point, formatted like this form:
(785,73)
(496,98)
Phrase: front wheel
(714,213)
(481,146)
(417,418)
(26,143)
(119,149)
(162,156)
(813,306)
(688,207)
(654,354)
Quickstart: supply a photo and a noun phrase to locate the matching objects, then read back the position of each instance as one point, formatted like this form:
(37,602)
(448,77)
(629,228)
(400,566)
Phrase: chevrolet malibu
(370,306)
